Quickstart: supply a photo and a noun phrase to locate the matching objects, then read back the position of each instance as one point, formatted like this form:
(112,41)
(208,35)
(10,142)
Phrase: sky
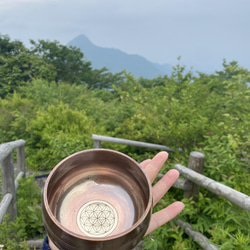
(202,32)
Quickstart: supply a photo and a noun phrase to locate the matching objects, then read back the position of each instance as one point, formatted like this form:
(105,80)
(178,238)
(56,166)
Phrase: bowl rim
(89,238)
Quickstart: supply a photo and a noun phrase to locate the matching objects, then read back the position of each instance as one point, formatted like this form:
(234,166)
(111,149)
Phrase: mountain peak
(83,37)
(80,40)
(115,60)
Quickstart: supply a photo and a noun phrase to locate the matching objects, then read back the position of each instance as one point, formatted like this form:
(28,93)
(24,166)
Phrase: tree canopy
(50,61)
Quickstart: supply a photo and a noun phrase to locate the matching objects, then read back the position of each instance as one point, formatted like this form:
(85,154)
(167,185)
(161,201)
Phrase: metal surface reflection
(97,199)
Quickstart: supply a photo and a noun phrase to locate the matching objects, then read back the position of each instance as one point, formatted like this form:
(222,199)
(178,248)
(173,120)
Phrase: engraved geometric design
(97,218)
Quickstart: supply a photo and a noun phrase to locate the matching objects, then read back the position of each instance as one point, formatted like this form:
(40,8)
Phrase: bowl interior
(98,193)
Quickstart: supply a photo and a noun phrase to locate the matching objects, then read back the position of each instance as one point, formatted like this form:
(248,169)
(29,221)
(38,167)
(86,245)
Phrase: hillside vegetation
(53,99)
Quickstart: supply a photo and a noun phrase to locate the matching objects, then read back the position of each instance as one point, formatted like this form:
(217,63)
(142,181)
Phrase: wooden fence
(9,183)
(190,181)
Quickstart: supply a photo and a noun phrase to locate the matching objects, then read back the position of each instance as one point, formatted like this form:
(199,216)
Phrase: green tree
(231,71)
(8,47)
(67,61)
(50,61)
(70,65)
(18,66)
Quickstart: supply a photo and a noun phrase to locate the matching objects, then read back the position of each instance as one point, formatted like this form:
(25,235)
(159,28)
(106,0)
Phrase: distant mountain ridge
(115,60)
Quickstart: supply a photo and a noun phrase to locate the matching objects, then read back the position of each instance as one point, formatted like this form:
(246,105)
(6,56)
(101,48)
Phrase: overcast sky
(202,32)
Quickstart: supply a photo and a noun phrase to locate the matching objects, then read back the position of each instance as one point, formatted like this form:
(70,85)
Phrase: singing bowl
(97,199)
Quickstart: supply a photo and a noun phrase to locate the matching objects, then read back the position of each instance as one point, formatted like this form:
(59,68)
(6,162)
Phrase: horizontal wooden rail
(4,205)
(7,148)
(99,138)
(199,238)
(19,176)
(234,196)
(35,244)
(180,183)
(8,198)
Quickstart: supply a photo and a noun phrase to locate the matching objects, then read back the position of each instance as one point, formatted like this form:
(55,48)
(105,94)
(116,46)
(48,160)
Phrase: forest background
(51,97)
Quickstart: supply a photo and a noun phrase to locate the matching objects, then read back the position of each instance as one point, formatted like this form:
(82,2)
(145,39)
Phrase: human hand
(152,168)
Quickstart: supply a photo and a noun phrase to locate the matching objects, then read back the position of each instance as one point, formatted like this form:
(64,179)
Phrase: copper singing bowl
(97,199)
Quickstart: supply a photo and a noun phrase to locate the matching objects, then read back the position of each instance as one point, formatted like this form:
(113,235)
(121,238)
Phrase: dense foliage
(54,100)
(29,218)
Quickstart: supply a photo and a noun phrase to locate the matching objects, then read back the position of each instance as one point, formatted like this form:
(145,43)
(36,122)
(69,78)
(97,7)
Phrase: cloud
(202,32)
(6,5)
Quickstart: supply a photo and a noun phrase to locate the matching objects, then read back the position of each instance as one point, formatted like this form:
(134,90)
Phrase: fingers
(153,167)
(165,215)
(164,184)
(145,163)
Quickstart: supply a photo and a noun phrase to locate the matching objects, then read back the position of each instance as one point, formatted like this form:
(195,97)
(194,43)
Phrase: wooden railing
(190,181)
(9,183)
(99,138)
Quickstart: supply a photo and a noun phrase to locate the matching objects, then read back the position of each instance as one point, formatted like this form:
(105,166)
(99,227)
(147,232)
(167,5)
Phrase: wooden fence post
(21,159)
(8,184)
(97,144)
(196,163)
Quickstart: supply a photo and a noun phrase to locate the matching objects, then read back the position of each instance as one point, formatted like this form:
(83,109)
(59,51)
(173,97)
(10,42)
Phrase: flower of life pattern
(97,218)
